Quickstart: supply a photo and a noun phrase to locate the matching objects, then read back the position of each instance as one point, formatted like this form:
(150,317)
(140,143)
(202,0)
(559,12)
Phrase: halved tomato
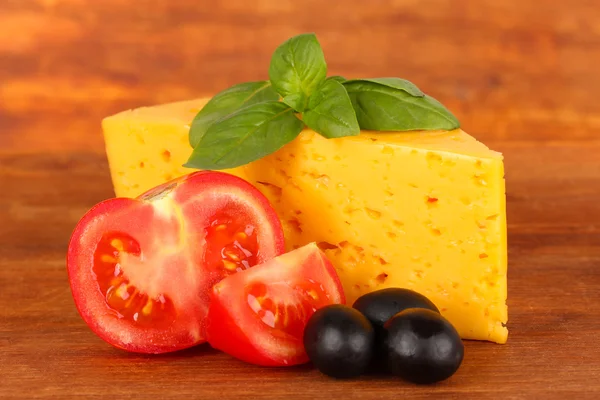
(259,315)
(141,270)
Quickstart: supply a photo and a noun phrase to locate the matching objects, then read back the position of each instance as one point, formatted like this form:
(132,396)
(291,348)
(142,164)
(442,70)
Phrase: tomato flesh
(258,315)
(285,318)
(231,245)
(122,297)
(141,270)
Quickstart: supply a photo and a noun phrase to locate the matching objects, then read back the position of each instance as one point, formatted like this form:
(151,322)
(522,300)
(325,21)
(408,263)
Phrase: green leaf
(246,135)
(330,112)
(297,69)
(298,101)
(395,107)
(395,83)
(337,78)
(228,101)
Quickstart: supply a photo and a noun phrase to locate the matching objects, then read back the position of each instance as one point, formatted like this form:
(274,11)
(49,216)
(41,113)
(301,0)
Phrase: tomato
(259,314)
(141,270)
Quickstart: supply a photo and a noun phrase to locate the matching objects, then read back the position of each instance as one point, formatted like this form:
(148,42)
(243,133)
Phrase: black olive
(381,305)
(339,341)
(422,346)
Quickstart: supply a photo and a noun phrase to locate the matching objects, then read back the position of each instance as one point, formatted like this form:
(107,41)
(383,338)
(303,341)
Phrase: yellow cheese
(423,210)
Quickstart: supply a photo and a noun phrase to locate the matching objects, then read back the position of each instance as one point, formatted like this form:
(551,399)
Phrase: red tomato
(141,269)
(259,315)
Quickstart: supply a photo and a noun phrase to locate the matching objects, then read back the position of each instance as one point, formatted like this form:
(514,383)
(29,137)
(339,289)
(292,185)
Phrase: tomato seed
(240,236)
(230,265)
(147,308)
(231,255)
(122,291)
(107,258)
(117,244)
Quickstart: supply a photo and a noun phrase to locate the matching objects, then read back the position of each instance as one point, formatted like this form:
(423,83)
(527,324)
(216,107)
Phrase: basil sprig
(227,102)
(391,104)
(246,135)
(251,120)
(330,111)
(297,69)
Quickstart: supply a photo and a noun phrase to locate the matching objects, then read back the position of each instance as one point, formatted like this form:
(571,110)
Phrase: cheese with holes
(425,211)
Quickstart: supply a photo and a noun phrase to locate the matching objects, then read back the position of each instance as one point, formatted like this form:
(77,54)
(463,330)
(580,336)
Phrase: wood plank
(509,70)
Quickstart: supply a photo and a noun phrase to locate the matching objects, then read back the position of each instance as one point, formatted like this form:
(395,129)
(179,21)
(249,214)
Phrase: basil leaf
(298,101)
(388,108)
(246,135)
(337,78)
(297,68)
(228,101)
(330,112)
(395,83)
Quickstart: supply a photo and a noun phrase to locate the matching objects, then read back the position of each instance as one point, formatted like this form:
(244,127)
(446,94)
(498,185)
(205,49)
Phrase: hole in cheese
(326,246)
(295,225)
(431,202)
(274,190)
(350,210)
(387,150)
(373,213)
(382,261)
(381,278)
(320,178)
(479,180)
(397,224)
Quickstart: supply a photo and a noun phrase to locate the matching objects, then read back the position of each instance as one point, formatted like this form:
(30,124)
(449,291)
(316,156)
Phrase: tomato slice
(141,270)
(259,315)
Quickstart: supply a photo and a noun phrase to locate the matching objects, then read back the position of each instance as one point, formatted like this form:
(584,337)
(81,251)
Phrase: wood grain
(520,74)
(514,69)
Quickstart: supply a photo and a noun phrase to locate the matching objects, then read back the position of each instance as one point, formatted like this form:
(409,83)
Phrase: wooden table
(521,75)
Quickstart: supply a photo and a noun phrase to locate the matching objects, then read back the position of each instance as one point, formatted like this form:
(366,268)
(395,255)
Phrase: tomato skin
(146,219)
(247,341)
(85,304)
(222,332)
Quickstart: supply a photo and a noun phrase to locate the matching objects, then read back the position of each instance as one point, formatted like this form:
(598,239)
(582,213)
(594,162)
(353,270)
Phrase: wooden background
(522,75)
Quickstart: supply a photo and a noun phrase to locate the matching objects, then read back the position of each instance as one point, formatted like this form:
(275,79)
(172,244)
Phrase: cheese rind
(422,210)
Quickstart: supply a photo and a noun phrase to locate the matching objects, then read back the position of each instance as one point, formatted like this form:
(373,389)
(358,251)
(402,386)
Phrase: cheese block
(421,210)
